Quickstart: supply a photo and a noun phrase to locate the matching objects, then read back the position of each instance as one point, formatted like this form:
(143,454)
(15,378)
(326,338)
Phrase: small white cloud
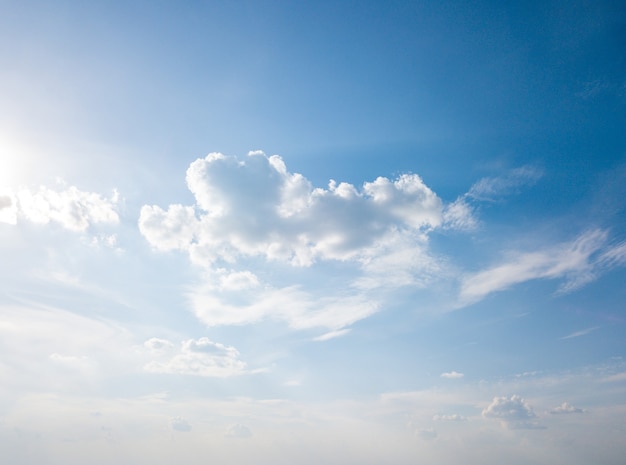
(452,375)
(332,335)
(565,408)
(454,417)
(181,425)
(238,431)
(492,189)
(201,357)
(583,332)
(514,412)
(238,281)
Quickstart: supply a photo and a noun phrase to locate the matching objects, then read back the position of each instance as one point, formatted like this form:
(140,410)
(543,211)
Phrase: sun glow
(15,163)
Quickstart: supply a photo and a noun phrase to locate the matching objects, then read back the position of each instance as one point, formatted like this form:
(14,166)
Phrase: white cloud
(614,256)
(201,357)
(168,230)
(256,207)
(238,281)
(565,408)
(238,431)
(72,208)
(491,189)
(298,308)
(460,215)
(248,212)
(452,375)
(332,335)
(454,417)
(400,259)
(514,412)
(578,262)
(584,332)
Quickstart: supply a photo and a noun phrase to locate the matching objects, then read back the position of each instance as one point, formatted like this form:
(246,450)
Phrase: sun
(15,163)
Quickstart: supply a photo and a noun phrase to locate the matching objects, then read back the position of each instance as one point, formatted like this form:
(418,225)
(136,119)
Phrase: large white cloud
(248,212)
(256,207)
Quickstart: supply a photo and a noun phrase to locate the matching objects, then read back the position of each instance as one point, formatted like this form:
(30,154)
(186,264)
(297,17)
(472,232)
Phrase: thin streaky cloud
(583,332)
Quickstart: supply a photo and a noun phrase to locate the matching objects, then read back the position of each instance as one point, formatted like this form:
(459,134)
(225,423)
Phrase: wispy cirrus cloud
(583,332)
(491,189)
(576,262)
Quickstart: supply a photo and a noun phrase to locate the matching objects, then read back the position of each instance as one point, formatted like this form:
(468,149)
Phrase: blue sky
(341,232)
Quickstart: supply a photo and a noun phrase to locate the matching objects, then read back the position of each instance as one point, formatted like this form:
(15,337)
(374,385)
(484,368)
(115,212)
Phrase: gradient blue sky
(336,232)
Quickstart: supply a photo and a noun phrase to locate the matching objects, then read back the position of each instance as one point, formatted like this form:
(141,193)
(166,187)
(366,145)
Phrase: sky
(312,232)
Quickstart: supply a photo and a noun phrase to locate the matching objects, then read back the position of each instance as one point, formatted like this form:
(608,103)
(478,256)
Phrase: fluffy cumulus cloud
(70,207)
(256,207)
(201,357)
(576,262)
(514,412)
(251,211)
